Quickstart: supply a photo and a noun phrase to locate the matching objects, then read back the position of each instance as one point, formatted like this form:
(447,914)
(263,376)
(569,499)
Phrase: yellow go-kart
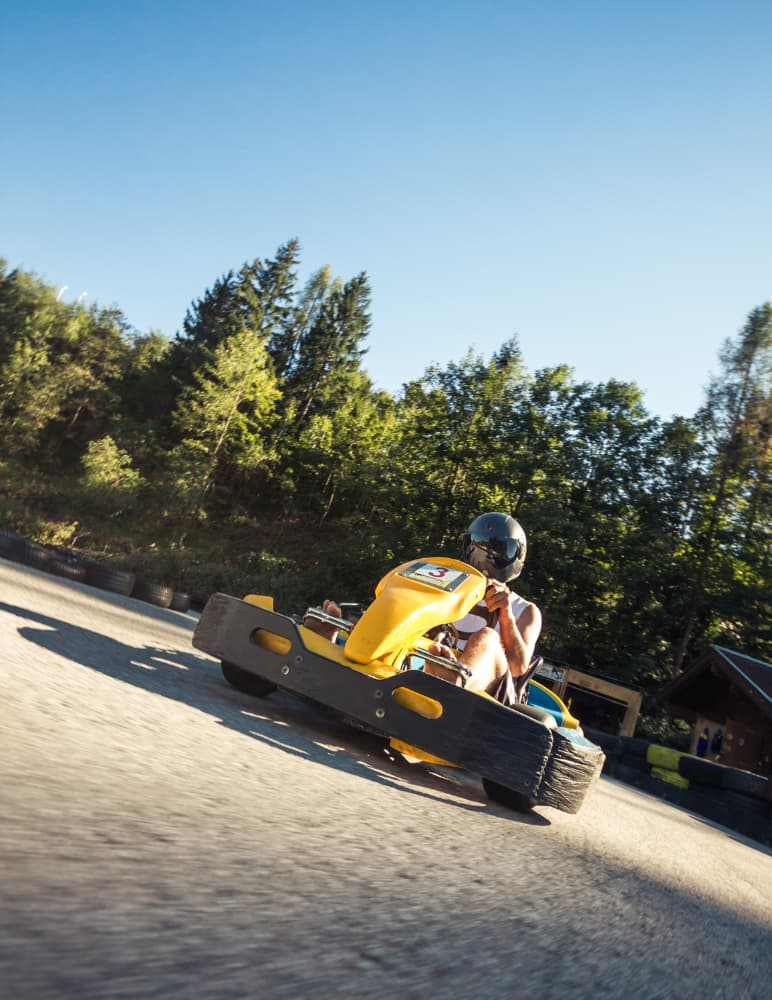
(525,755)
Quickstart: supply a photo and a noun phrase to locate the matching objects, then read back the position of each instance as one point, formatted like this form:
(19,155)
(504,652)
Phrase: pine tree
(59,365)
(735,422)
(258,298)
(330,326)
(225,417)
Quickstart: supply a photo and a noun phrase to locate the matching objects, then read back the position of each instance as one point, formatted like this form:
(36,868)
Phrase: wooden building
(599,702)
(727,697)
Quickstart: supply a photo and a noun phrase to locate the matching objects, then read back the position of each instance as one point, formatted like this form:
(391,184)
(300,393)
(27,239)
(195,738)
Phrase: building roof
(750,677)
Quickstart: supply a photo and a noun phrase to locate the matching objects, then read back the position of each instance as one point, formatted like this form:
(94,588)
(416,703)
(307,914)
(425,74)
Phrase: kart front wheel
(245,681)
(507,797)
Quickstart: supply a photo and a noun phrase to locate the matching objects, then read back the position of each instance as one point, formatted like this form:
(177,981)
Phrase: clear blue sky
(592,177)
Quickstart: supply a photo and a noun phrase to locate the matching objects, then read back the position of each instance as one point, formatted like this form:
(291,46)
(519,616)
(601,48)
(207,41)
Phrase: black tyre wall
(36,556)
(117,580)
(67,569)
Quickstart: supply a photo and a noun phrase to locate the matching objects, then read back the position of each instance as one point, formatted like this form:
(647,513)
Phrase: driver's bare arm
(518,636)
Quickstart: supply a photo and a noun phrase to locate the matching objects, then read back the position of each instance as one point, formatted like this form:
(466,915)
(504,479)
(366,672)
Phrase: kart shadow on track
(196,680)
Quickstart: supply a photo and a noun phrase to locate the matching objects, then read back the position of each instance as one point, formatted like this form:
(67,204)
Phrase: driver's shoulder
(521,607)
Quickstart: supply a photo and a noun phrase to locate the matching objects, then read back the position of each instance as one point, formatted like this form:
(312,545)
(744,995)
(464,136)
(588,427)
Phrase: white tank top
(479,617)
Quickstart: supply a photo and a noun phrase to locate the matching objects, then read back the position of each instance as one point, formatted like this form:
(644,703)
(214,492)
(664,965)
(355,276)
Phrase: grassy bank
(287,557)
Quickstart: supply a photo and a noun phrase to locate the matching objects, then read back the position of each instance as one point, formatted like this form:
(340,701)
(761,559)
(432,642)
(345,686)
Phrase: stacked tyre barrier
(739,800)
(61,562)
(11,545)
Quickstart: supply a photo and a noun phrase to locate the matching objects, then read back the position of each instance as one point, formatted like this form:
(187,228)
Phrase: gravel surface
(165,836)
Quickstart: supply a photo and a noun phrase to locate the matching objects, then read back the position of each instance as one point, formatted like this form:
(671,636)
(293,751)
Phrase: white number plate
(442,577)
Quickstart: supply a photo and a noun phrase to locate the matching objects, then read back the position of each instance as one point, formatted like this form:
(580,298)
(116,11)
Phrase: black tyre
(11,545)
(36,556)
(67,568)
(704,772)
(246,682)
(745,782)
(610,744)
(117,580)
(180,601)
(152,593)
(537,714)
(633,748)
(507,797)
(197,602)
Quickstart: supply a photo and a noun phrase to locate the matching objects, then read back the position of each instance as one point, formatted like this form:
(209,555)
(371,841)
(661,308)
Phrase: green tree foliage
(329,415)
(225,416)
(105,465)
(144,401)
(59,364)
(289,338)
(338,451)
(647,539)
(322,348)
(257,298)
(653,571)
(727,548)
(580,493)
(449,457)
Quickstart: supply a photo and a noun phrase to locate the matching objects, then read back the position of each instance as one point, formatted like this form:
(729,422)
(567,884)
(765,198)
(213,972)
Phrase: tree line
(648,538)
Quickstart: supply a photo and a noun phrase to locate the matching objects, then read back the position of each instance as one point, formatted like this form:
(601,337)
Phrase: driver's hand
(497,595)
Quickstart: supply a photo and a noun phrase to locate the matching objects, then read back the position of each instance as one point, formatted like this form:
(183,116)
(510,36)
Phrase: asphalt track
(165,836)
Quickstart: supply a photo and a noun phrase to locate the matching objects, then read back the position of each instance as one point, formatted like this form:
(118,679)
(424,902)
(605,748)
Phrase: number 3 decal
(442,577)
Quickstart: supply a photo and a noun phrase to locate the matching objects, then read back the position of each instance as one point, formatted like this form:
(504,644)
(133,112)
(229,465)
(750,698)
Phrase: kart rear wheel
(242,680)
(507,797)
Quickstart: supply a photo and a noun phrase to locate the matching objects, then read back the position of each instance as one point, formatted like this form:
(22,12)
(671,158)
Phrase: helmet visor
(500,551)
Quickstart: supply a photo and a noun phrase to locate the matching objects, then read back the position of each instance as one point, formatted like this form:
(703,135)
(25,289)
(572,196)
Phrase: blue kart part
(544,699)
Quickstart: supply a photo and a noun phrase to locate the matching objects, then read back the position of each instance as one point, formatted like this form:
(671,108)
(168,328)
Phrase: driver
(496,639)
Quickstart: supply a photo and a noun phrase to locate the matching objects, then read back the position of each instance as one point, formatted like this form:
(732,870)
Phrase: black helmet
(495,545)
